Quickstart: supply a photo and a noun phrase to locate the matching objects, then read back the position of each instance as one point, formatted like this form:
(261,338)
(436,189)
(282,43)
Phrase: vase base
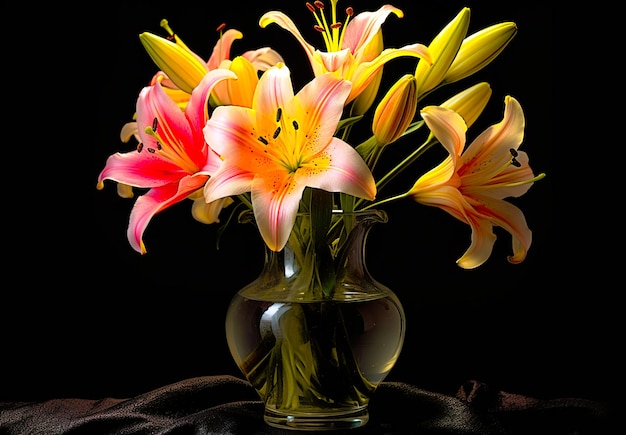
(317,421)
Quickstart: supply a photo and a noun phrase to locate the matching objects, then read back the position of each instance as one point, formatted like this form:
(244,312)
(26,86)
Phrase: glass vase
(315,334)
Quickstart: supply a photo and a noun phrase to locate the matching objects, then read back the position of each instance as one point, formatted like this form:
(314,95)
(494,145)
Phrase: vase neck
(308,269)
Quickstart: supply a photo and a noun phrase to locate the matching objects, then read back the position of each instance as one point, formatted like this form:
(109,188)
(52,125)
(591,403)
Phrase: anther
(295,124)
(220,27)
(276,133)
(263,140)
(349,11)
(159,146)
(139,147)
(151,150)
(319,28)
(336,26)
(515,163)
(310,7)
(319,4)
(155,124)
(513,152)
(279,112)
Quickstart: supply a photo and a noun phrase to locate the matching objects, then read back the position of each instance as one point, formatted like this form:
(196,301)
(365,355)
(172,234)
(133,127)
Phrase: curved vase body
(315,334)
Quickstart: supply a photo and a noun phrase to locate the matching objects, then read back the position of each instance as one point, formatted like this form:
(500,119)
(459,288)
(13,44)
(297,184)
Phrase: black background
(108,322)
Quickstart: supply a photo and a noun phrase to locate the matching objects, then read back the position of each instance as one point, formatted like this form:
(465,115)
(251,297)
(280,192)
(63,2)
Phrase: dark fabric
(229,405)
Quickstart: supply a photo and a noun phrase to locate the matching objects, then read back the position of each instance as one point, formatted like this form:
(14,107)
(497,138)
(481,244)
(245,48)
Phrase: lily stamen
(168,151)
(333,33)
(276,133)
(220,30)
(510,184)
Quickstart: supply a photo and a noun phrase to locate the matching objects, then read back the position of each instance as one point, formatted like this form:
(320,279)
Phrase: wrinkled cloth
(229,405)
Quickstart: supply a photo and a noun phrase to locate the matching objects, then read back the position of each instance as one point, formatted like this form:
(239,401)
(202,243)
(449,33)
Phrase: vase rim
(248,215)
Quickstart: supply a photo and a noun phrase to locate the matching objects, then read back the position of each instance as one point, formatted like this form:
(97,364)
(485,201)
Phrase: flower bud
(182,67)
(470,102)
(396,110)
(479,49)
(443,49)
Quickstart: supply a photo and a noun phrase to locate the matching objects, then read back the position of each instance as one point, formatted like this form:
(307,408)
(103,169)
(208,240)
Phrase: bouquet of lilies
(232,129)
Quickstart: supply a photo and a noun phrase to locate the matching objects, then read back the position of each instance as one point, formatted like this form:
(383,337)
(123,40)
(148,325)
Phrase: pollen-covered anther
(319,28)
(220,27)
(276,133)
(262,140)
(514,162)
(319,4)
(336,26)
(310,7)
(279,113)
(295,124)
(349,11)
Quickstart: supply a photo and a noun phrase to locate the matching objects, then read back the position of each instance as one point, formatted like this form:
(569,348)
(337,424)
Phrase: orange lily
(282,145)
(472,185)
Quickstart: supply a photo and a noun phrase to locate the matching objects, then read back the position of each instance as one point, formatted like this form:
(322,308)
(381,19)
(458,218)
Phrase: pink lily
(351,47)
(472,185)
(172,159)
(282,145)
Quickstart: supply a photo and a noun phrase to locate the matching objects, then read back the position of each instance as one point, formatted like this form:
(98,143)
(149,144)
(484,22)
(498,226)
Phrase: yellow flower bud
(479,49)
(180,64)
(470,103)
(396,110)
(443,49)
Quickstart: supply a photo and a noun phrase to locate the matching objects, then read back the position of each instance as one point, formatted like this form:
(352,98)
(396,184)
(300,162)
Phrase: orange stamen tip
(349,11)
(319,4)
(336,26)
(319,28)
(310,7)
(220,27)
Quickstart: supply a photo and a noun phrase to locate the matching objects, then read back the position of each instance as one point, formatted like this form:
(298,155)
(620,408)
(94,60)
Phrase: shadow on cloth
(229,405)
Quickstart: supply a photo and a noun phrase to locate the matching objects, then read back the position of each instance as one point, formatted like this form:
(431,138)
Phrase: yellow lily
(185,69)
(348,44)
(471,184)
